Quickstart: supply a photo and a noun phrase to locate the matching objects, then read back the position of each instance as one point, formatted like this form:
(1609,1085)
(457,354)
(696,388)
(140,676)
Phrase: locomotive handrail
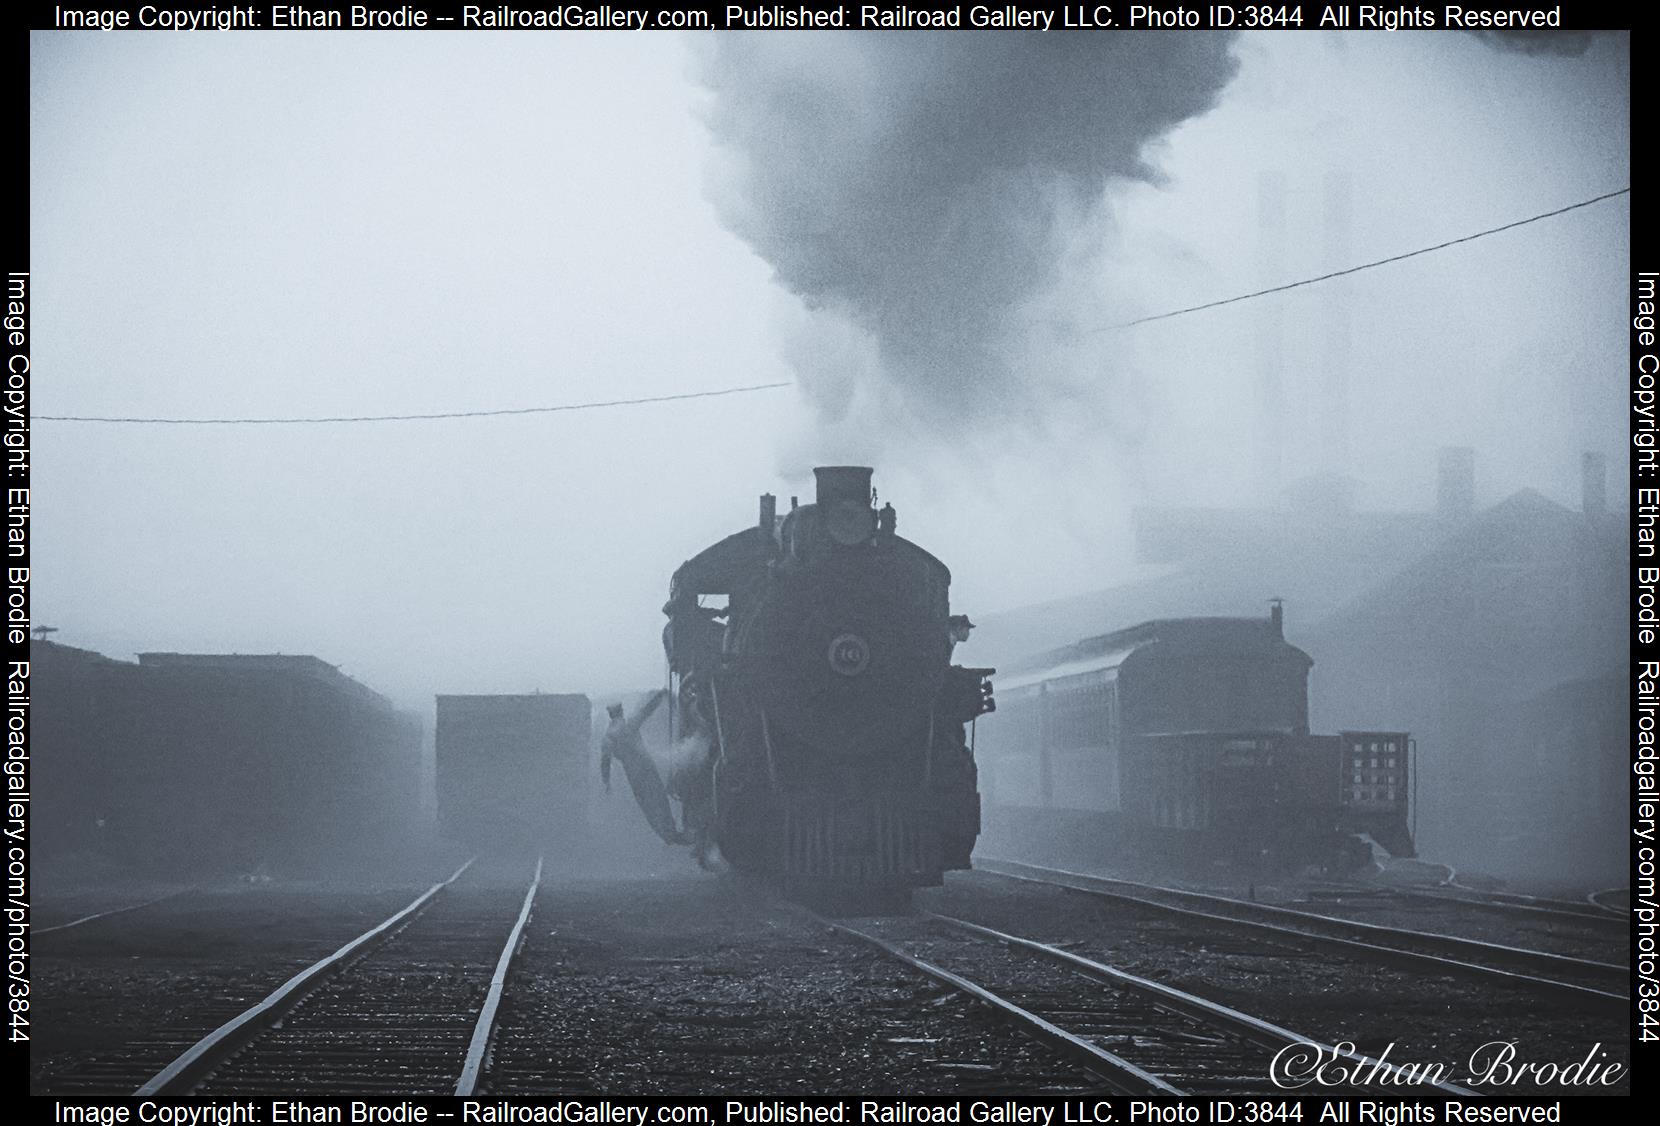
(766,741)
(715,771)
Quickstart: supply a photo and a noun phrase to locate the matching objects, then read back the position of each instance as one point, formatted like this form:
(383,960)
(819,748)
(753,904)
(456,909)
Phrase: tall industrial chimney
(1593,492)
(1337,297)
(1270,335)
(1455,494)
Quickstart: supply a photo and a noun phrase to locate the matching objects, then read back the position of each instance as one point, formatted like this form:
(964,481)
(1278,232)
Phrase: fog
(934,239)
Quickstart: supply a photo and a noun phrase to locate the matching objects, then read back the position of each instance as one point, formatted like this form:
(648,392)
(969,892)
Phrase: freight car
(512,771)
(195,764)
(820,719)
(1191,733)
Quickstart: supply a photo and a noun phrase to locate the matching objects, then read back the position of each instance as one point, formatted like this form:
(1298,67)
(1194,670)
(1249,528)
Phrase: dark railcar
(512,771)
(209,762)
(824,696)
(1193,730)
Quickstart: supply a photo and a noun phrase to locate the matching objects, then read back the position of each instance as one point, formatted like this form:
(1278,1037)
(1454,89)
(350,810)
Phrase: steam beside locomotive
(817,702)
(1193,733)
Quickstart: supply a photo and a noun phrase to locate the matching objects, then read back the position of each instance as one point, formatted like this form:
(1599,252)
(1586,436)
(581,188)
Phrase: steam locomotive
(811,655)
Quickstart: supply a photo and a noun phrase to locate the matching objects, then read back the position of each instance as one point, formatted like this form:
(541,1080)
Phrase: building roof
(1527,590)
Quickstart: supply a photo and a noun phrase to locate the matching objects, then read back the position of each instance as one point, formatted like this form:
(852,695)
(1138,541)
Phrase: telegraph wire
(414,417)
(787,383)
(1363,266)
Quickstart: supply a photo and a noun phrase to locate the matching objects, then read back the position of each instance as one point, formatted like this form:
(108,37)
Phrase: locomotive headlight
(849,522)
(849,654)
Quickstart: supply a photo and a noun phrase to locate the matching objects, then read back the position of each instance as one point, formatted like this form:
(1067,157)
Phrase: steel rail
(1255,1029)
(1451,883)
(473,1069)
(1590,913)
(201,1057)
(1338,934)
(1624,913)
(1118,1073)
(1509,896)
(1451,945)
(111,911)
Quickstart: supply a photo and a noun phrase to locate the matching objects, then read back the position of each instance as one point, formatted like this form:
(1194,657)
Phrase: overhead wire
(1364,265)
(422,417)
(416,417)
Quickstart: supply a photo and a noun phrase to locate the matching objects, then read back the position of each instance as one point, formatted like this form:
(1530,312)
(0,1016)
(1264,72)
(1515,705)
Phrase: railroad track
(37,931)
(1597,986)
(1598,900)
(1591,905)
(406,1008)
(1588,914)
(1137,1037)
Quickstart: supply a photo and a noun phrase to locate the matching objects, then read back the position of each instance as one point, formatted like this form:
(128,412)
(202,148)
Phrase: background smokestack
(1270,332)
(1593,492)
(769,510)
(1337,300)
(1455,495)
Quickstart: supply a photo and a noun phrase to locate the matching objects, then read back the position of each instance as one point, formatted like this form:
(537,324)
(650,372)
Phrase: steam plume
(923,187)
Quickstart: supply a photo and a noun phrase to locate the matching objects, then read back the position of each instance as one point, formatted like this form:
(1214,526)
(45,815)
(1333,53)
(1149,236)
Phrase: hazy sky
(332,224)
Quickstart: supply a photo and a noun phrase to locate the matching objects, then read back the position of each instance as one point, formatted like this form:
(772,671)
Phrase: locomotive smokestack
(769,511)
(843,482)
